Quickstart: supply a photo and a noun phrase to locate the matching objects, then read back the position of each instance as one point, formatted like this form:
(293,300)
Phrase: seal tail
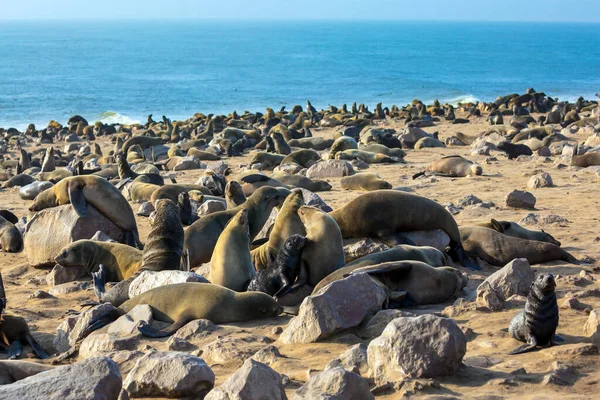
(459,254)
(568,257)
(415,176)
(149,331)
(37,348)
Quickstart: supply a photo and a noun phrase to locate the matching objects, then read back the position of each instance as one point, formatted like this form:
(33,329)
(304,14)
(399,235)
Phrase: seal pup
(281,275)
(234,195)
(499,249)
(231,263)
(163,251)
(536,324)
(181,303)
(11,240)
(382,213)
(81,190)
(14,330)
(364,181)
(452,166)
(514,150)
(281,146)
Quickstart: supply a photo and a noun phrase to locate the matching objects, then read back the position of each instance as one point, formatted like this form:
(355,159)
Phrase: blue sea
(120,71)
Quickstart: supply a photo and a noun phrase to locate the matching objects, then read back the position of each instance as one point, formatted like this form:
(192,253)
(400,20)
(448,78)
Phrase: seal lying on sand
(452,166)
(536,324)
(515,230)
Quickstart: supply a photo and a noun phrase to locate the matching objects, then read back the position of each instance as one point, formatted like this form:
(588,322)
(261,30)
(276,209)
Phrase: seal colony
(291,203)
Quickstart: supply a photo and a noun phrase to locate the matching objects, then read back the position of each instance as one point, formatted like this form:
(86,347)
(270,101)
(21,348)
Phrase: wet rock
(540,181)
(341,305)
(254,380)
(148,280)
(169,374)
(353,360)
(95,378)
(330,169)
(520,199)
(363,248)
(514,278)
(420,347)
(60,275)
(211,206)
(335,383)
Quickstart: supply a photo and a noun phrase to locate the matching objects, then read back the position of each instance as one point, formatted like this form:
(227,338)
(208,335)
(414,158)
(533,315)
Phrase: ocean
(121,71)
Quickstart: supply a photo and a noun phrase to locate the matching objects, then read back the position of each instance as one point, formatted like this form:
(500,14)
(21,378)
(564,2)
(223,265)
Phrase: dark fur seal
(125,171)
(536,324)
(515,230)
(514,150)
(11,240)
(279,278)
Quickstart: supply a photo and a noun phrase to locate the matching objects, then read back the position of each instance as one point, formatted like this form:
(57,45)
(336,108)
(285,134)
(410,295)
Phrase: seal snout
(547,283)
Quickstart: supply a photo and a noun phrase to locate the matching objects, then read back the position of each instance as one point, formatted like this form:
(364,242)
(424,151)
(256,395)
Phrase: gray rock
(61,341)
(560,374)
(544,151)
(125,359)
(145,168)
(353,360)
(187,163)
(314,200)
(157,153)
(330,169)
(289,169)
(145,209)
(514,278)
(554,220)
(421,347)
(253,380)
(29,192)
(148,280)
(128,323)
(469,200)
(71,331)
(520,199)
(210,206)
(434,238)
(50,230)
(341,305)
(231,349)
(169,374)
(268,355)
(540,181)
(591,328)
(69,287)
(102,237)
(375,326)
(219,167)
(60,275)
(487,297)
(196,329)
(178,344)
(334,384)
(362,248)
(529,219)
(92,379)
(98,344)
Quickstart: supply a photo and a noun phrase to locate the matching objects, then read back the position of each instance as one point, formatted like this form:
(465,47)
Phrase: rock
(514,278)
(487,297)
(178,344)
(128,323)
(219,167)
(435,238)
(544,151)
(61,341)
(341,305)
(92,379)
(574,304)
(196,329)
(148,280)
(268,355)
(540,181)
(560,374)
(169,374)
(40,294)
(363,248)
(570,350)
(125,359)
(481,361)
(145,168)
(101,343)
(451,208)
(591,328)
(211,206)
(187,163)
(253,380)
(529,219)
(469,200)
(69,287)
(74,329)
(453,141)
(145,209)
(520,199)
(554,220)
(236,350)
(102,237)
(60,275)
(330,169)
(156,153)
(420,347)
(50,230)
(377,324)
(334,384)
(353,360)
(314,200)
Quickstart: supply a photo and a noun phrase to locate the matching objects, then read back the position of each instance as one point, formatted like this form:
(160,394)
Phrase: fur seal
(143,141)
(202,155)
(284,270)
(141,189)
(499,249)
(514,150)
(234,195)
(515,230)
(268,160)
(172,192)
(427,255)
(201,237)
(231,263)
(364,181)
(286,224)
(452,166)
(18,180)
(536,324)
(11,240)
(184,302)
(387,212)
(163,251)
(314,143)
(585,160)
(281,146)
(305,158)
(13,371)
(366,156)
(299,181)
(380,148)
(80,190)
(125,171)
(342,143)
(48,164)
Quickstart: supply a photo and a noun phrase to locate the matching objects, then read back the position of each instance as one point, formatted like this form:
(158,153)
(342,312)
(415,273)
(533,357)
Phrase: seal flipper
(132,239)
(149,331)
(15,350)
(99,279)
(459,254)
(37,348)
(523,349)
(557,339)
(77,199)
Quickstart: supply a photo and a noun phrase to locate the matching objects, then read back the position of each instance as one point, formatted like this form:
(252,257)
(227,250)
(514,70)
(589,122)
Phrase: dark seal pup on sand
(514,150)
(536,324)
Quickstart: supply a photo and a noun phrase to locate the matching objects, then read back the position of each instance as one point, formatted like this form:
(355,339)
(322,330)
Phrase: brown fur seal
(184,302)
(252,180)
(380,148)
(125,171)
(268,160)
(281,146)
(515,230)
(286,224)
(342,143)
(314,143)
(11,240)
(305,158)
(201,237)
(234,195)
(54,176)
(366,156)
(387,212)
(18,180)
(48,164)
(141,189)
(499,249)
(427,255)
(163,251)
(13,371)
(172,191)
(121,261)
(231,263)
(202,155)
(142,141)
(364,181)
(299,181)
(452,166)
(585,160)
(80,190)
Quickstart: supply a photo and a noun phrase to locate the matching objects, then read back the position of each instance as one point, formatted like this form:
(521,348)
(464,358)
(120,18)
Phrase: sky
(469,10)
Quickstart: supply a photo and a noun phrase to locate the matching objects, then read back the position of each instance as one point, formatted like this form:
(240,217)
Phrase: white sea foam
(465,98)
(113,117)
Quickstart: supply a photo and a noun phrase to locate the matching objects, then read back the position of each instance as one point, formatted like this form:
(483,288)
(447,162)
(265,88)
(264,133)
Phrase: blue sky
(479,10)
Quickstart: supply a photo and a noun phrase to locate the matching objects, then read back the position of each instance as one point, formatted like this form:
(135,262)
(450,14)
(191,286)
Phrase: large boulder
(354,360)
(335,384)
(419,347)
(148,280)
(169,374)
(330,169)
(520,199)
(540,181)
(93,379)
(514,278)
(254,380)
(99,344)
(74,329)
(50,230)
(341,305)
